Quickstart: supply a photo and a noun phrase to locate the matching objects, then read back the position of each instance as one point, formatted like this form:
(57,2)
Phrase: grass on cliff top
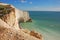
(4,10)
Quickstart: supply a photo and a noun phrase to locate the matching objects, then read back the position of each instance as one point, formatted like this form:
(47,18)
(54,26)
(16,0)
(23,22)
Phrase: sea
(47,23)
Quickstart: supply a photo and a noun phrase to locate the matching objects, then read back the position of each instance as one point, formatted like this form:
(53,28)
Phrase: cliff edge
(9,27)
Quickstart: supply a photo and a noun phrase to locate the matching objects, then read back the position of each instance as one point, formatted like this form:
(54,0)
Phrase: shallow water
(47,23)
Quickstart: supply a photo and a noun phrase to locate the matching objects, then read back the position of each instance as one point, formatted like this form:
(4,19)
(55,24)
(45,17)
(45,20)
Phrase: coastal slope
(9,24)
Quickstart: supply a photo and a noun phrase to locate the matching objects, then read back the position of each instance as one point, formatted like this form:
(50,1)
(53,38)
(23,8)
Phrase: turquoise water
(45,22)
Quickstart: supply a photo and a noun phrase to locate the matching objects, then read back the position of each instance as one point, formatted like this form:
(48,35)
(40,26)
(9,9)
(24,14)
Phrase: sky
(35,5)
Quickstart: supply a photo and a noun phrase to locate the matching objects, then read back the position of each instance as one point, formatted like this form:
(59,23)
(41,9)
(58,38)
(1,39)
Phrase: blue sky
(35,5)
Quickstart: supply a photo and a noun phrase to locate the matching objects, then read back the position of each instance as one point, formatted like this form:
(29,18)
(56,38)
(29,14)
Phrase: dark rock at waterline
(30,20)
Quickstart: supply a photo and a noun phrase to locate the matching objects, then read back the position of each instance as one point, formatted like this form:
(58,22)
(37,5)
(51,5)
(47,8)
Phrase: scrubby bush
(4,10)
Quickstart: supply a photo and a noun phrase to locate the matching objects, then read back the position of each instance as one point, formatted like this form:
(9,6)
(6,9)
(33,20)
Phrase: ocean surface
(45,22)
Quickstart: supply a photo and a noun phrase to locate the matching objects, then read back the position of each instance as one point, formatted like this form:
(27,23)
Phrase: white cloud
(44,9)
(30,2)
(23,1)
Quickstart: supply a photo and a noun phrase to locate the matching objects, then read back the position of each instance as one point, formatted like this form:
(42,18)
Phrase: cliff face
(26,17)
(22,16)
(9,27)
(10,33)
(7,14)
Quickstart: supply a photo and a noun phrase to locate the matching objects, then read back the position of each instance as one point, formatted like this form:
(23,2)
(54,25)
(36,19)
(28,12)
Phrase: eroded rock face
(10,33)
(7,14)
(9,28)
(22,16)
(13,16)
(35,34)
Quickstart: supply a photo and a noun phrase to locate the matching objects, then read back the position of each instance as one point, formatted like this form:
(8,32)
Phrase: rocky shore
(10,17)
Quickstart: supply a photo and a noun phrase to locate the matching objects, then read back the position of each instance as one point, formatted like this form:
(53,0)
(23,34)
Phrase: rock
(9,27)
(9,17)
(26,31)
(32,33)
(35,34)
(30,20)
(26,16)
(10,33)
(22,16)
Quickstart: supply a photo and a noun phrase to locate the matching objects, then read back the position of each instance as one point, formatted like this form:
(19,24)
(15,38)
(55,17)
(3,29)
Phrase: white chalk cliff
(9,27)
(22,15)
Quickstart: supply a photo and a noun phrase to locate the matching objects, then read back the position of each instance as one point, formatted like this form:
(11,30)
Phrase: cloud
(30,2)
(23,1)
(44,9)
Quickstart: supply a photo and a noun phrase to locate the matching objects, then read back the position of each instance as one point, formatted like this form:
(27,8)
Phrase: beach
(45,22)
